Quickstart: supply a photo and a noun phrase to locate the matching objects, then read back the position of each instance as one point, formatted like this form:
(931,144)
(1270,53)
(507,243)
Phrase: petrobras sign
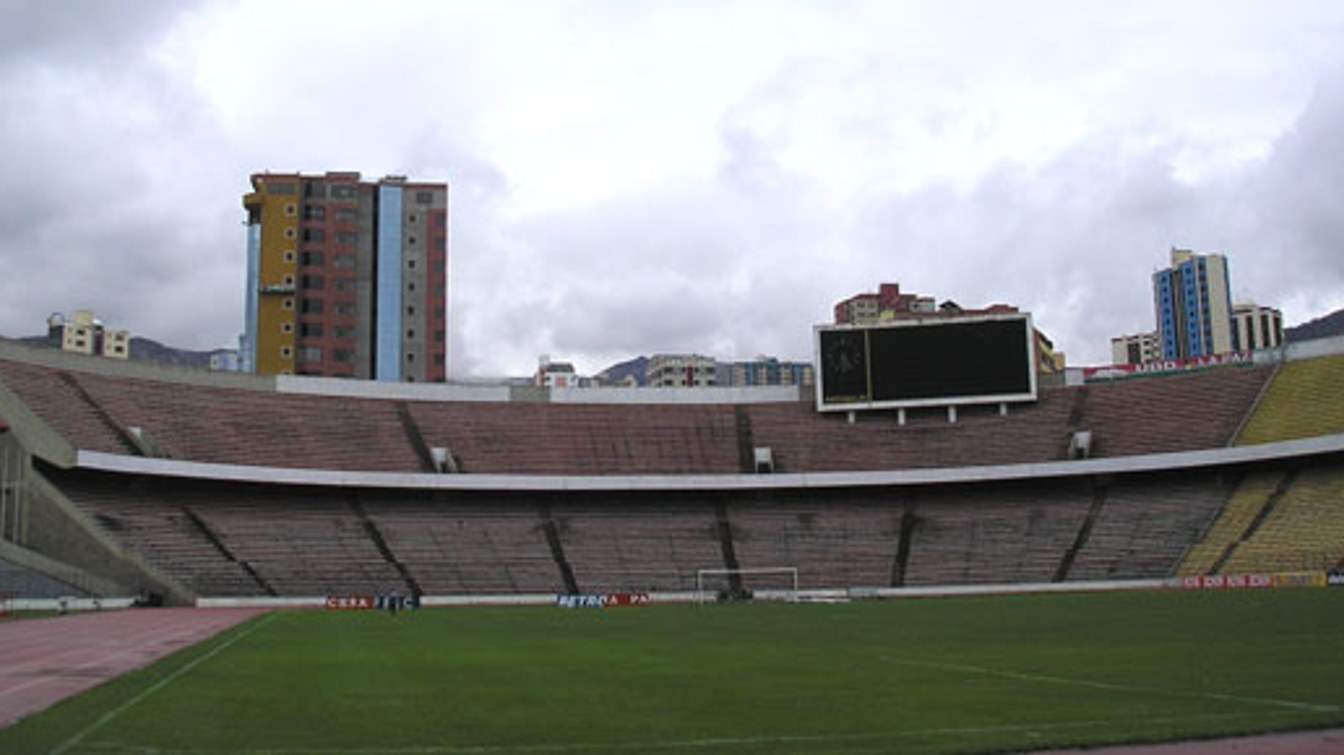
(602,600)
(1121,371)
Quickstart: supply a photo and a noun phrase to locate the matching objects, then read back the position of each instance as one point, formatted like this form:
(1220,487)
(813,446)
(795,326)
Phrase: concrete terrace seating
(842,540)
(60,405)
(978,535)
(803,440)
(20,581)
(1145,527)
(582,439)
(260,428)
(298,543)
(151,521)
(483,544)
(1305,399)
(1170,413)
(638,545)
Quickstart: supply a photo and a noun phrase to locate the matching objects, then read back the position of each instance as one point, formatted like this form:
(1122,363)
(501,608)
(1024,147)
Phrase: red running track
(44,661)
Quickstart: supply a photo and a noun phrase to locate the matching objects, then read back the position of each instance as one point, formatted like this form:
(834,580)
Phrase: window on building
(286,352)
(309,354)
(424,197)
(312,258)
(311,306)
(291,209)
(287,303)
(286,327)
(343,332)
(343,191)
(342,356)
(312,283)
(410,264)
(315,189)
(410,334)
(348,238)
(344,261)
(346,214)
(289,256)
(290,233)
(315,212)
(287,189)
(310,330)
(412,218)
(344,308)
(314,234)
(344,284)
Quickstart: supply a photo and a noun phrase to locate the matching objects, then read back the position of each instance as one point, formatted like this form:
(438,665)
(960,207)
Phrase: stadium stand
(1303,401)
(1302,529)
(344,492)
(1243,509)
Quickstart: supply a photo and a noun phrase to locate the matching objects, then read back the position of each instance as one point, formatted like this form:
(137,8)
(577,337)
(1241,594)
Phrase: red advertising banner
(623,599)
(1229,582)
(1121,371)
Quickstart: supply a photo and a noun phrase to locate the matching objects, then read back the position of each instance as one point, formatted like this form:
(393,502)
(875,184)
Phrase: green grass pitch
(943,675)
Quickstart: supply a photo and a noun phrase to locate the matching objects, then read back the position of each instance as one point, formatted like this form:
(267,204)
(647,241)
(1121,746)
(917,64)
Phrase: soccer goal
(777,583)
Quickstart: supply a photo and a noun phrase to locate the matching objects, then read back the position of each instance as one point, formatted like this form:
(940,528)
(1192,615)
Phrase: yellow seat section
(1245,504)
(1304,532)
(1305,399)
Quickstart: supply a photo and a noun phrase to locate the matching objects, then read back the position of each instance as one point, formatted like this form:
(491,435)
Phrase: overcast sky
(640,177)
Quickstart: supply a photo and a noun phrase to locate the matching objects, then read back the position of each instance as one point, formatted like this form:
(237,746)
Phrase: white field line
(1113,687)
(164,682)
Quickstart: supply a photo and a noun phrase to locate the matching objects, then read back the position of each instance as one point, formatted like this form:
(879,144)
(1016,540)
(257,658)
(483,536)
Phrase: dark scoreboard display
(932,362)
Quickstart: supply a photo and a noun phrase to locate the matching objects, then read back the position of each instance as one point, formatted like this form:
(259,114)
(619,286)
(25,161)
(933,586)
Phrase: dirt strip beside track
(44,661)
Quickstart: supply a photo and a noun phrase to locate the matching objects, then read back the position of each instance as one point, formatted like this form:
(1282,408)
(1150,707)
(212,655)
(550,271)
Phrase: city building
(555,374)
(1256,327)
(1135,348)
(86,334)
(766,371)
(225,361)
(346,277)
(888,303)
(680,371)
(1193,303)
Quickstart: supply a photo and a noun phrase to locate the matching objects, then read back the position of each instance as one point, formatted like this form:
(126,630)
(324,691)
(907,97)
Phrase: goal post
(777,583)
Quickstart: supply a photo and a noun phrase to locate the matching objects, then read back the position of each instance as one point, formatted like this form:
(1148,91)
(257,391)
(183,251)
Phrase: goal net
(776,583)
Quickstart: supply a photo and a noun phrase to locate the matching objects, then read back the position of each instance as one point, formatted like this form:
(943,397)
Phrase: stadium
(1208,485)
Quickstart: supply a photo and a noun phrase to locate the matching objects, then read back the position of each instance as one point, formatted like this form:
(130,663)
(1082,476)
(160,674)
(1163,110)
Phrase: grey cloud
(80,31)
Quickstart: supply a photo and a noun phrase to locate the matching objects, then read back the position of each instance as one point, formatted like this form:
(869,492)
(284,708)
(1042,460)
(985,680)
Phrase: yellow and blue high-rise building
(346,277)
(1193,303)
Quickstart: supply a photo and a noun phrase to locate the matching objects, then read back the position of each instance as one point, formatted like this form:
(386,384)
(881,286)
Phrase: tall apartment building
(1193,303)
(346,277)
